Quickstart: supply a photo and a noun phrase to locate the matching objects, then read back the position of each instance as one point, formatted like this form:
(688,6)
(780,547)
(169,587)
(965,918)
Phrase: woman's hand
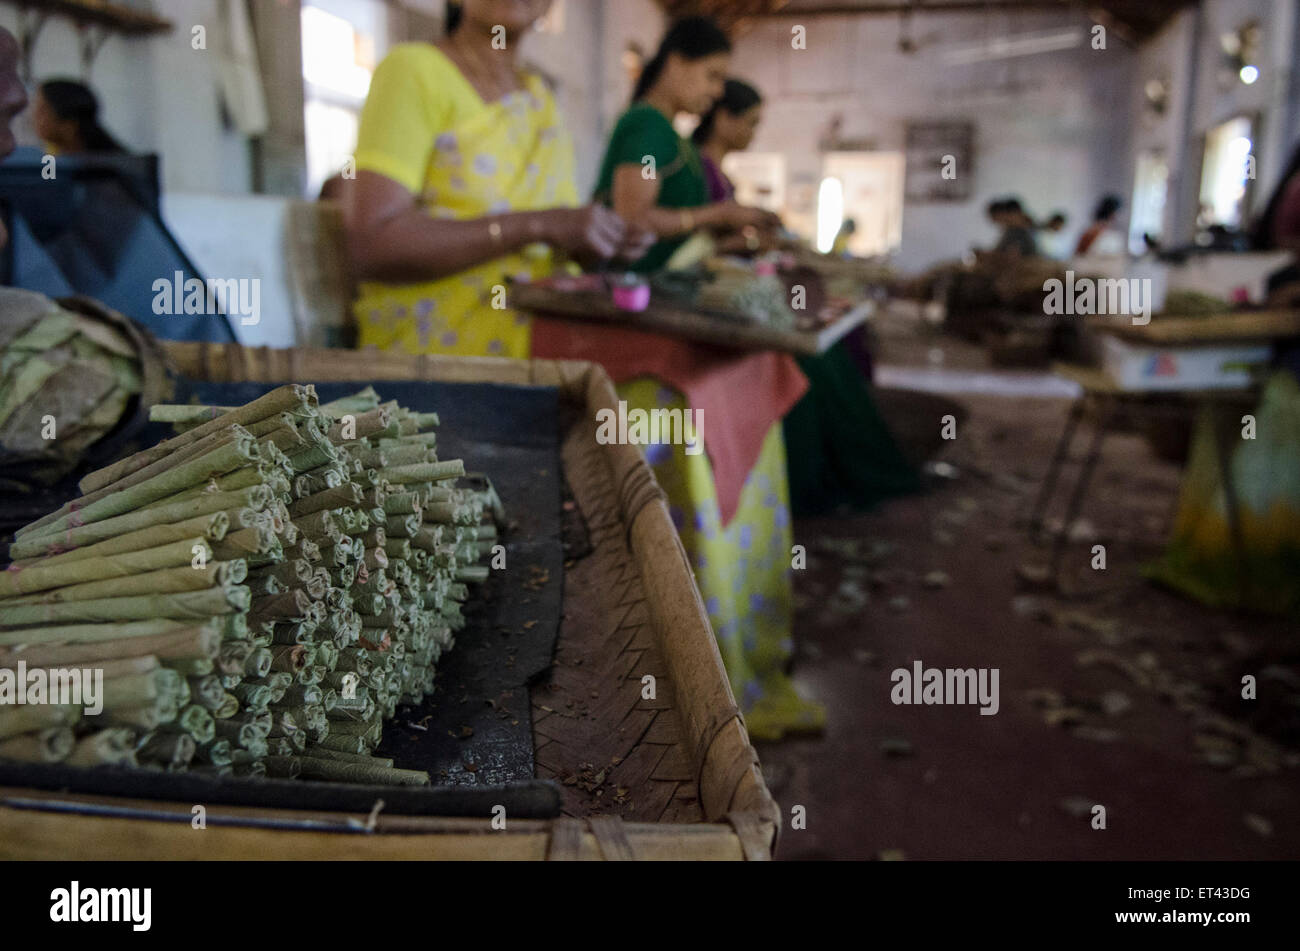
(636,243)
(749,241)
(585,233)
(741,217)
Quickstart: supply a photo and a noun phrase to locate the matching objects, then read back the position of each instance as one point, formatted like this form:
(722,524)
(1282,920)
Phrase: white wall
(159,95)
(156,94)
(1218,97)
(587,60)
(1166,58)
(1051,128)
(1057,128)
(570,58)
(240,237)
(626,21)
(1188,53)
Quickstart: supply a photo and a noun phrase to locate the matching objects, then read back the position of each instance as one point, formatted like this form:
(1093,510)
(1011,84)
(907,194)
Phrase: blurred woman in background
(1051,236)
(730,504)
(839,451)
(650,175)
(728,127)
(1101,237)
(66,117)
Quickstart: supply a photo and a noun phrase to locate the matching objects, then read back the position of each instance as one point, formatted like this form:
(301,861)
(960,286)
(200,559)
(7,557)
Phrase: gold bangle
(687,220)
(494,229)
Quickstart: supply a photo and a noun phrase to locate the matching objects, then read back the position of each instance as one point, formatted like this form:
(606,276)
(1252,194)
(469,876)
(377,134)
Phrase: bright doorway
(870,193)
(1150,189)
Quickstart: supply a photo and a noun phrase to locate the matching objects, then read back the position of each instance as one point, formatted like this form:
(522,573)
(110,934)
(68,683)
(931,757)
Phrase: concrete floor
(1119,694)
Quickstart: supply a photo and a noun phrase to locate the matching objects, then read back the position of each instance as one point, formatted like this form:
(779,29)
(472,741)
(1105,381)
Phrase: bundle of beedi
(71,376)
(256,595)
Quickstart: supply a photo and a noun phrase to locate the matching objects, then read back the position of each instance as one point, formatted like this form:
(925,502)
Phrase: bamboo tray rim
(38,824)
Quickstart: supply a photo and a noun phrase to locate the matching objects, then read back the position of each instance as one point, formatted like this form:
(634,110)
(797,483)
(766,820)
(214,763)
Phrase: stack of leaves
(68,375)
(852,278)
(261,591)
(760,298)
(1188,303)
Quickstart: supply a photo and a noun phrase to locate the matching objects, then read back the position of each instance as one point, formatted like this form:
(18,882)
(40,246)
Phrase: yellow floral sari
(425,127)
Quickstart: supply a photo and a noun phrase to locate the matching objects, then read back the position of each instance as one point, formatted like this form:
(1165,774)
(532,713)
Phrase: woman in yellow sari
(465,178)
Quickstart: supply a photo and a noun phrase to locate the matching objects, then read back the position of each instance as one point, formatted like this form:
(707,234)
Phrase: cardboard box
(1210,367)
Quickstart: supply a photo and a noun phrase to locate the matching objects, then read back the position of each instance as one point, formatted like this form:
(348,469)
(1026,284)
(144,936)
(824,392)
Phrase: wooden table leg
(1107,408)
(1054,469)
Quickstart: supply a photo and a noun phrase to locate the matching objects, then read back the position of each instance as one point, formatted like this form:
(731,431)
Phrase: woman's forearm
(671,222)
(636,200)
(410,246)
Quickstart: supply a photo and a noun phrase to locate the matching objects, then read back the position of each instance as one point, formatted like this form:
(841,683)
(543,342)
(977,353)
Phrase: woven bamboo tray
(678,777)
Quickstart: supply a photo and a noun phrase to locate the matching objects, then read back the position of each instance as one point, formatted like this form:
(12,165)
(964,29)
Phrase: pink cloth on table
(741,394)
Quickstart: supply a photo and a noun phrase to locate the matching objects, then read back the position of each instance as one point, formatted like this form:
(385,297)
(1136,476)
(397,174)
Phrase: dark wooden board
(670,319)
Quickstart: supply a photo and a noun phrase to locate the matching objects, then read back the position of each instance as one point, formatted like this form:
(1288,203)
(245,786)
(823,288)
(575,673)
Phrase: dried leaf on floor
(1077,806)
(1114,702)
(896,746)
(1035,576)
(1097,734)
(1045,697)
(1258,824)
(1063,716)
(936,579)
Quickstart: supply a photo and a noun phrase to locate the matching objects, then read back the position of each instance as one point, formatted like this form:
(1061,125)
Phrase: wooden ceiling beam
(897,7)
(1133,19)
(726,12)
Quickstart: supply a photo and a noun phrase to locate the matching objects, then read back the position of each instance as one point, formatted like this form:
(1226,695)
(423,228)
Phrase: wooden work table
(674,320)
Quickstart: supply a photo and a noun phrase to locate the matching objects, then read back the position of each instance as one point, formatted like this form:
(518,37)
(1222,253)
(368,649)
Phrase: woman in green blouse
(651,176)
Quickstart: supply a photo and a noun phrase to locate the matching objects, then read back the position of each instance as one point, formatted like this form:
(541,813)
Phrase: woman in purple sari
(728,127)
(841,454)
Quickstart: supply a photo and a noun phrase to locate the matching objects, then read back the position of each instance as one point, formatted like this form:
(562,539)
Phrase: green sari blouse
(642,134)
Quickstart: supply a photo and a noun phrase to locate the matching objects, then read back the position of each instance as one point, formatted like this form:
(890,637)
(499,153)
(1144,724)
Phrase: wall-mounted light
(1155,92)
(1240,55)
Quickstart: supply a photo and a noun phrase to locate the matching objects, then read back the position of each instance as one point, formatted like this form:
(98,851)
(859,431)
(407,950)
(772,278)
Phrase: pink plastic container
(631,296)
